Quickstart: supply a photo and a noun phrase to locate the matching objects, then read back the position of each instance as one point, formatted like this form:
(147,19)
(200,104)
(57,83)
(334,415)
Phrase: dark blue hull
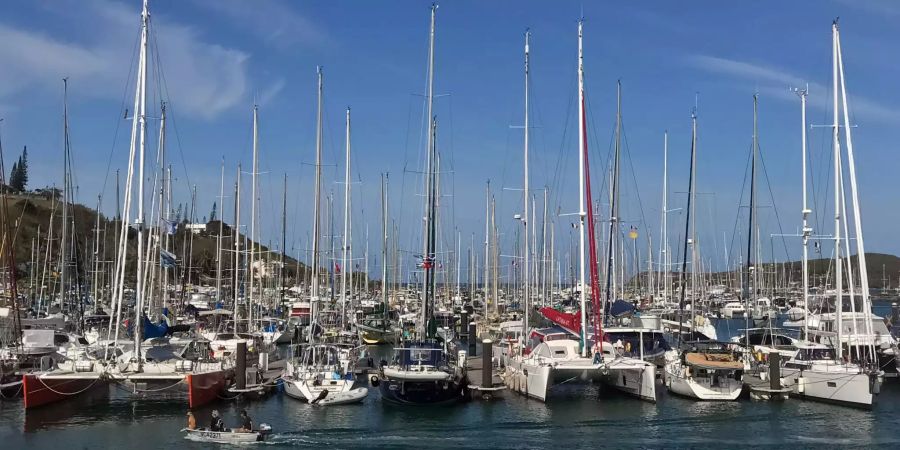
(421,392)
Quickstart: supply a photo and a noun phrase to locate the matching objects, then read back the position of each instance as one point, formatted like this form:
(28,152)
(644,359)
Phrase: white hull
(536,384)
(631,376)
(344,398)
(835,384)
(678,381)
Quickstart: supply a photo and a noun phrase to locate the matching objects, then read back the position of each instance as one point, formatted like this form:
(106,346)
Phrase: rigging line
(637,190)
(556,191)
(171,117)
(123,107)
(774,206)
(737,215)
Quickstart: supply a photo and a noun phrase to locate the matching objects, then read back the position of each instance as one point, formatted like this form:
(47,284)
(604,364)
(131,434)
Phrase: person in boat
(216,423)
(191,421)
(246,424)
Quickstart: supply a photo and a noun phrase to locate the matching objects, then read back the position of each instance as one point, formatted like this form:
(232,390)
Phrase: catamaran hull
(637,379)
(840,387)
(530,380)
(45,389)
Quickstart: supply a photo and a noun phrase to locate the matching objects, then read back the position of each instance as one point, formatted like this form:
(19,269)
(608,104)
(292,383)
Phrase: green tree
(14,177)
(23,168)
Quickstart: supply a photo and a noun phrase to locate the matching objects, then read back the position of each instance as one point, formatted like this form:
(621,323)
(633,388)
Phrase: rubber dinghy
(228,437)
(327,398)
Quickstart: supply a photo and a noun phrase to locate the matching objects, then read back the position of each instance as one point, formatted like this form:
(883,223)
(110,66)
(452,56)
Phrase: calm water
(576,417)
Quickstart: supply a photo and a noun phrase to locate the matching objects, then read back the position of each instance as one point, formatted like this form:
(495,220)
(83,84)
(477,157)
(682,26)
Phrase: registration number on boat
(210,434)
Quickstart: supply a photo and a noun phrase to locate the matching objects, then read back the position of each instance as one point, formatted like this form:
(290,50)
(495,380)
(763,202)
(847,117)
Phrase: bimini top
(713,361)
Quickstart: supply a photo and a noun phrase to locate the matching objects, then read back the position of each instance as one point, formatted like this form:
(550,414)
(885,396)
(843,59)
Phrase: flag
(337,268)
(167,259)
(171,226)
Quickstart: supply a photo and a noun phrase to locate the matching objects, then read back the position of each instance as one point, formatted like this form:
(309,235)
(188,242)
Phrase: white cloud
(202,80)
(775,82)
(273,21)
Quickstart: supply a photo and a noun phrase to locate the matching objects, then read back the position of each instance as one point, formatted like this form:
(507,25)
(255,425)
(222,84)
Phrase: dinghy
(327,398)
(228,437)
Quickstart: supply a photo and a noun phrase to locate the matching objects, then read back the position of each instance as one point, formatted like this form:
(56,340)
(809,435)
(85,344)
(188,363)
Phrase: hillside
(30,216)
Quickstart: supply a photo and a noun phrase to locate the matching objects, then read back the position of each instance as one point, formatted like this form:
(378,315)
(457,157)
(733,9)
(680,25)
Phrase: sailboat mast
(384,246)
(581,200)
(236,237)
(752,288)
(141,118)
(428,245)
(687,222)
(345,246)
(664,242)
(283,241)
(314,290)
(63,247)
(805,211)
(527,199)
(857,219)
(612,270)
(251,267)
(219,237)
(838,269)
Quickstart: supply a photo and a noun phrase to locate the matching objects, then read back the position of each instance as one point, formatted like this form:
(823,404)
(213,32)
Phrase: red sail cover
(569,322)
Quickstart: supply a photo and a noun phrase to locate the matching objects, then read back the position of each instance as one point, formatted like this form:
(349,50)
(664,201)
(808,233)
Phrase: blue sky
(218,56)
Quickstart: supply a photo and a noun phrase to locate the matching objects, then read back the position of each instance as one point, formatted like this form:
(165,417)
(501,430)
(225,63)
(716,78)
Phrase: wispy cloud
(881,7)
(775,82)
(203,80)
(274,21)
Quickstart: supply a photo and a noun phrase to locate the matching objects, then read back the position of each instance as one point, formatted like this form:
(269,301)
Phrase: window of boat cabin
(810,354)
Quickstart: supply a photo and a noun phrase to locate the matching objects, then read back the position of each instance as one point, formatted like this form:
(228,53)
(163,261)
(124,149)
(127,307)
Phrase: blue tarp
(154,331)
(621,308)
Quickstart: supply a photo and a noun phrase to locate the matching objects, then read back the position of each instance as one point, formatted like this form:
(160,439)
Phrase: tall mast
(283,241)
(346,245)
(687,222)
(527,199)
(314,293)
(807,230)
(141,118)
(581,200)
(236,236)
(752,288)
(428,244)
(664,242)
(836,143)
(63,247)
(251,266)
(219,237)
(611,271)
(487,244)
(384,246)
(857,219)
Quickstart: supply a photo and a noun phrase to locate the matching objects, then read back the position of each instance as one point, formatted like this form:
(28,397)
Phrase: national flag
(167,259)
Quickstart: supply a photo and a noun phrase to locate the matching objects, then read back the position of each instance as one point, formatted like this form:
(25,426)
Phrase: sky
(213,60)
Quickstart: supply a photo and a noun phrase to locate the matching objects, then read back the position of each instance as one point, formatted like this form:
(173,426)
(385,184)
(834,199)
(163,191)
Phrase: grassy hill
(30,225)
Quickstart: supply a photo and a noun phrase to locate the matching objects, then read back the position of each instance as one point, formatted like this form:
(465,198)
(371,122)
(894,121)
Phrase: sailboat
(320,371)
(378,328)
(829,366)
(424,370)
(704,370)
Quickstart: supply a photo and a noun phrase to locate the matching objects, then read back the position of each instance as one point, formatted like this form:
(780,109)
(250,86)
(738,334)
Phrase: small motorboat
(327,398)
(229,436)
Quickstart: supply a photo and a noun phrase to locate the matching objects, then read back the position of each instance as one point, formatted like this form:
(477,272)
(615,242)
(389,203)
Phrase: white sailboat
(822,369)
(699,370)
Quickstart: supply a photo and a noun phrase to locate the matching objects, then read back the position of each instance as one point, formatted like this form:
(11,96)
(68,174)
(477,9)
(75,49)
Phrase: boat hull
(45,389)
(205,387)
(404,392)
(225,437)
(840,387)
(635,377)
(530,380)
